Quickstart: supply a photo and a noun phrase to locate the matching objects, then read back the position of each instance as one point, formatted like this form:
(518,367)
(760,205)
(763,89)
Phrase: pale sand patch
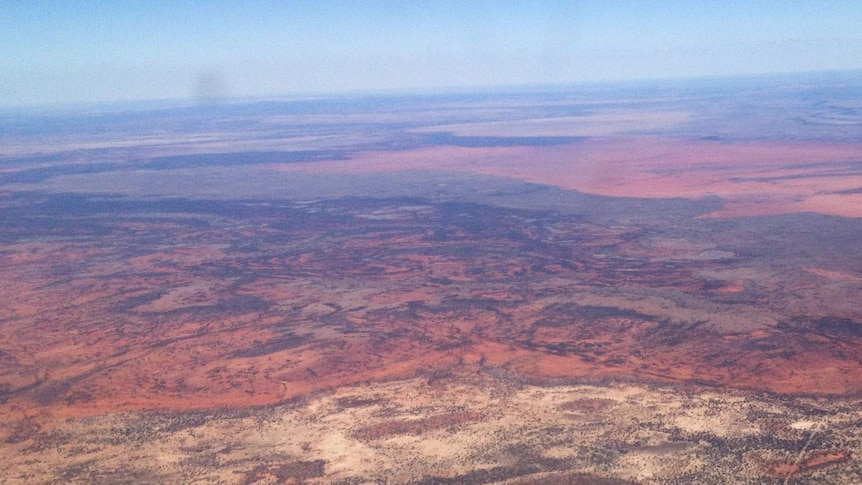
(633,438)
(804,425)
(346,454)
(728,424)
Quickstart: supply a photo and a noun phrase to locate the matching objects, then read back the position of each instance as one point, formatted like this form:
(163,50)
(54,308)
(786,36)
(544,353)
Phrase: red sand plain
(754,177)
(388,304)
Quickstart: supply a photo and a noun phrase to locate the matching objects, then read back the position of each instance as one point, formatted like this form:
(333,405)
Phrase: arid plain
(632,284)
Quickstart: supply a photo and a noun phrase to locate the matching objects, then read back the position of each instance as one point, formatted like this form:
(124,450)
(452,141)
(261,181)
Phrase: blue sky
(76,51)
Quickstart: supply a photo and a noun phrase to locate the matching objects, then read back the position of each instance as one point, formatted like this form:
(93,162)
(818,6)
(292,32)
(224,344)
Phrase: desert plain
(628,284)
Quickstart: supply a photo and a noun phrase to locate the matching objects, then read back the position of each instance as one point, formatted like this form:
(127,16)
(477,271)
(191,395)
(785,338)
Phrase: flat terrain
(621,285)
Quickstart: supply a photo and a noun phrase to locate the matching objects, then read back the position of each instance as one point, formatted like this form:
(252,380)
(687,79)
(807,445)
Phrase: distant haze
(75,51)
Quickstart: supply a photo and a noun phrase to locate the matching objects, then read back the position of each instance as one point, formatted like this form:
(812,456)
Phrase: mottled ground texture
(582,286)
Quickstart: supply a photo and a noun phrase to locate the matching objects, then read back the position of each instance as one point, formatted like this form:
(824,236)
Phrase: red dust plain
(753,177)
(87,357)
(188,301)
(192,323)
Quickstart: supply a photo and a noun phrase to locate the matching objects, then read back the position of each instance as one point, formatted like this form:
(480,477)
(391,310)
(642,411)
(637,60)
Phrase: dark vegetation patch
(23,430)
(593,313)
(173,423)
(587,405)
(238,304)
(565,314)
(479,219)
(130,303)
(92,471)
(357,402)
(46,392)
(762,441)
(150,426)
(286,472)
(286,341)
(528,465)
(233,305)
(7,391)
(49,391)
(672,333)
(838,326)
(479,477)
(842,326)
(572,479)
(455,304)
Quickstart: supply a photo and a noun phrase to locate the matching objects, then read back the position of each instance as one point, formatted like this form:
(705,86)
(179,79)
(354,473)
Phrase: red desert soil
(808,462)
(193,324)
(188,324)
(755,178)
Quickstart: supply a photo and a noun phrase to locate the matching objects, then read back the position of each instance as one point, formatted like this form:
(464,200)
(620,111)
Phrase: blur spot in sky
(210,87)
(74,51)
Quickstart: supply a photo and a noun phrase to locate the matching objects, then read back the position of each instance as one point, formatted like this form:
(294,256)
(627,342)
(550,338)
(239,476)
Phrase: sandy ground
(487,430)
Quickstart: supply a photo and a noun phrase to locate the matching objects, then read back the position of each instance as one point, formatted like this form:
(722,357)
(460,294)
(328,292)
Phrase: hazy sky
(71,51)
